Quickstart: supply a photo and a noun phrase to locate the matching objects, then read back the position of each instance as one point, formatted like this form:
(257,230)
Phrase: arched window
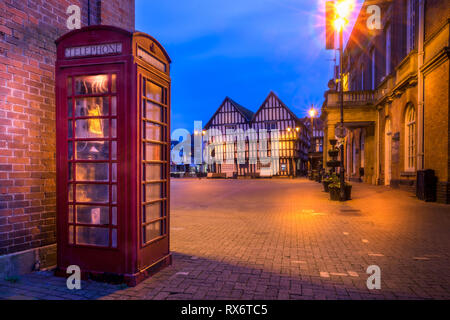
(410,138)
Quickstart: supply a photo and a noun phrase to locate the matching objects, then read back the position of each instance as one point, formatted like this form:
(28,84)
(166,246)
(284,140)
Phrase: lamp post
(342,11)
(312,113)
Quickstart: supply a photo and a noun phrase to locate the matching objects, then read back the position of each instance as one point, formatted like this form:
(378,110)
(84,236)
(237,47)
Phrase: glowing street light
(342,10)
(312,112)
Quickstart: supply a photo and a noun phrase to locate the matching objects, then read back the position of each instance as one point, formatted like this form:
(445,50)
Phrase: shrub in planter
(329,180)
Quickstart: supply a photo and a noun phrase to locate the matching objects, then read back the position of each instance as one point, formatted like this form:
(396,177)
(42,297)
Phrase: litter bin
(426,185)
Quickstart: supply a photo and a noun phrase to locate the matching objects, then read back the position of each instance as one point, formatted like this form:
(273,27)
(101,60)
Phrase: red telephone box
(113,152)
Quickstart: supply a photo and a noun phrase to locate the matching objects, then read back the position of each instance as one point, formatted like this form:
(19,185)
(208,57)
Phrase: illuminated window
(373,73)
(410,138)
(410,24)
(388,49)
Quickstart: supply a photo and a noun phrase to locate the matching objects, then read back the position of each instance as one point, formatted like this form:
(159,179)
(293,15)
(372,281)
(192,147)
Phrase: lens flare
(344,8)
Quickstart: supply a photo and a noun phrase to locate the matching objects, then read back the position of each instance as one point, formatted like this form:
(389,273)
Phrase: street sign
(340,131)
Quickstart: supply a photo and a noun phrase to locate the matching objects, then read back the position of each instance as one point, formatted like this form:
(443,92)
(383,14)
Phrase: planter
(333,142)
(333,163)
(335,193)
(333,153)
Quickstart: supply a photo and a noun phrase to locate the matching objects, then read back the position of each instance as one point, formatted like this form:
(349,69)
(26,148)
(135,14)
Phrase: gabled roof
(272,94)
(246,113)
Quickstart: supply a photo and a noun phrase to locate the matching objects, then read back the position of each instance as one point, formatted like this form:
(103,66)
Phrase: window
(388,49)
(271,126)
(410,138)
(373,71)
(410,25)
(362,77)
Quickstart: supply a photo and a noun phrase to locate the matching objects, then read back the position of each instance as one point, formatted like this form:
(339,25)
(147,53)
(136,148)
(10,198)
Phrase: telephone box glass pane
(152,231)
(114,172)
(114,128)
(92,215)
(153,91)
(113,83)
(70,151)
(114,238)
(97,84)
(114,194)
(92,171)
(152,191)
(152,211)
(70,130)
(70,234)
(69,86)
(92,236)
(113,106)
(69,108)
(152,131)
(152,151)
(152,172)
(114,216)
(92,107)
(114,150)
(92,128)
(92,150)
(70,214)
(92,193)
(70,172)
(152,111)
(70,192)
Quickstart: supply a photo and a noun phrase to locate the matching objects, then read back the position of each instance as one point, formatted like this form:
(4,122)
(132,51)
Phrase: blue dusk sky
(241,49)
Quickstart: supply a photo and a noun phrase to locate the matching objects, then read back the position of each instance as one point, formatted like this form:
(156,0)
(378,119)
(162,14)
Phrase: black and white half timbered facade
(271,142)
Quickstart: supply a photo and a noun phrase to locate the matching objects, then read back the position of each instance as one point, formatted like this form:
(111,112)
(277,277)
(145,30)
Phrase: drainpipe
(420,86)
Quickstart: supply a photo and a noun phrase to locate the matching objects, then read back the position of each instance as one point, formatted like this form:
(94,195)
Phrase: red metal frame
(131,259)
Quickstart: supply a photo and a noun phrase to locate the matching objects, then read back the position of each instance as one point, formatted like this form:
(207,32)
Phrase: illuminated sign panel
(147,57)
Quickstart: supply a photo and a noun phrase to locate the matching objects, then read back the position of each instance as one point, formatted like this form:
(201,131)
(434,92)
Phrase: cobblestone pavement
(283,239)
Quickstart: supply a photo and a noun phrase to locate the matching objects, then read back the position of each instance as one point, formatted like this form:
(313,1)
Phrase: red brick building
(28,30)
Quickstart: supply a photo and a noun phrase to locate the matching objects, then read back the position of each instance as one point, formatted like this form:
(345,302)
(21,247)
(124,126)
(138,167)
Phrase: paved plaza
(283,239)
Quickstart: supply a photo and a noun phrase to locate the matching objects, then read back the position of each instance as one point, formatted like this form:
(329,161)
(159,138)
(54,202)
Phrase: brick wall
(28,30)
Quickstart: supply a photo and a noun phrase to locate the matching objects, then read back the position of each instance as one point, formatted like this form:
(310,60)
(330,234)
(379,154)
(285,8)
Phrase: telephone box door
(89,140)
(155,127)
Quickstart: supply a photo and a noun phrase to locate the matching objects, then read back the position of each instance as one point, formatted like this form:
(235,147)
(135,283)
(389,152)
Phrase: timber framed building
(292,139)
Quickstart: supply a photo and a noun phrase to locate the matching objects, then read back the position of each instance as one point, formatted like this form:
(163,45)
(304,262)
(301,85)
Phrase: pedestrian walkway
(283,239)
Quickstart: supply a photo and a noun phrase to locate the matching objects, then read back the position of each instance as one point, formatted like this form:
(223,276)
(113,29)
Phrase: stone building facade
(396,105)
(28,30)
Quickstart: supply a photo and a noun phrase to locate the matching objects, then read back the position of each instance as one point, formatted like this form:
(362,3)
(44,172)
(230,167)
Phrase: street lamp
(343,10)
(312,113)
